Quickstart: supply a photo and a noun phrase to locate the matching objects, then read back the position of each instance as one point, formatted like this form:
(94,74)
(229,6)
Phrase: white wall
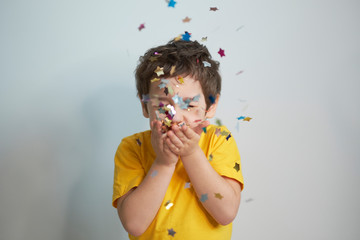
(67,97)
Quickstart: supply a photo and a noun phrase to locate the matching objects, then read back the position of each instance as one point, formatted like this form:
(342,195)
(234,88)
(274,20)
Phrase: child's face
(177,101)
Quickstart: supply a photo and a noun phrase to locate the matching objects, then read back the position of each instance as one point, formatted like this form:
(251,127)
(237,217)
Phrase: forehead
(189,88)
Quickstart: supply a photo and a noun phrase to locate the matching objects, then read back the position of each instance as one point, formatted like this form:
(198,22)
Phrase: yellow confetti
(153,59)
(247,119)
(181,79)
(159,71)
(172,70)
(218,195)
(155,80)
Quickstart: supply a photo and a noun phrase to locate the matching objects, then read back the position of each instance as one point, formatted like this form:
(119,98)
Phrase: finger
(172,147)
(174,139)
(179,132)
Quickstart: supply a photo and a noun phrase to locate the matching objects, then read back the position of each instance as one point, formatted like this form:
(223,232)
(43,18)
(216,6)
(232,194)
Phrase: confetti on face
(166,91)
(187,19)
(171,91)
(187,185)
(142,26)
(237,167)
(214,9)
(221,52)
(154,173)
(172,3)
(138,141)
(228,136)
(171,232)
(163,83)
(218,195)
(206,64)
(168,205)
(217,131)
(204,39)
(224,133)
(204,197)
(159,71)
(186,36)
(180,79)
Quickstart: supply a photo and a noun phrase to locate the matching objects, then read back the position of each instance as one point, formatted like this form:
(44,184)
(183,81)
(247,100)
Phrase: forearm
(216,194)
(140,207)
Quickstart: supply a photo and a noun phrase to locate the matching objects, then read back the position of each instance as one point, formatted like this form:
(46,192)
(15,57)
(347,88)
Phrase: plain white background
(67,98)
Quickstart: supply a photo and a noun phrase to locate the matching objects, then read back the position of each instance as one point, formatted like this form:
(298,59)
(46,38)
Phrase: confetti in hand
(221,52)
(142,26)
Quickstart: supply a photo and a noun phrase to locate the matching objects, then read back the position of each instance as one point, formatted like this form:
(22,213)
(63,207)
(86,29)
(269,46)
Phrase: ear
(212,109)
(144,109)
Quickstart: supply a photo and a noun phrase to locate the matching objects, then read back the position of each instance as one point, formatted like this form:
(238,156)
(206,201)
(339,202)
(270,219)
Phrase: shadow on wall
(110,114)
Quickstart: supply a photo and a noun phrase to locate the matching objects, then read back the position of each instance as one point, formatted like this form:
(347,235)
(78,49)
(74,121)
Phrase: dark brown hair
(187,57)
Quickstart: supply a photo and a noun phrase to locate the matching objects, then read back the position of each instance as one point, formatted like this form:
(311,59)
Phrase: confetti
(196,98)
(187,185)
(217,131)
(218,195)
(155,80)
(163,83)
(204,39)
(247,119)
(224,133)
(172,3)
(178,38)
(212,99)
(221,52)
(145,98)
(186,36)
(142,26)
(154,173)
(153,59)
(249,200)
(166,91)
(238,73)
(171,232)
(204,197)
(210,157)
(237,167)
(171,91)
(241,117)
(214,9)
(159,71)
(229,136)
(181,124)
(204,129)
(172,70)
(206,64)
(218,122)
(168,205)
(138,141)
(187,19)
(180,79)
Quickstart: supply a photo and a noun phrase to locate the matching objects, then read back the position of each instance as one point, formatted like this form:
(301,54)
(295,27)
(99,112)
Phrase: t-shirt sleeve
(224,155)
(128,171)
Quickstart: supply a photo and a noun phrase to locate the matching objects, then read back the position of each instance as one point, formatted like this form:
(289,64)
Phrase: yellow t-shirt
(181,215)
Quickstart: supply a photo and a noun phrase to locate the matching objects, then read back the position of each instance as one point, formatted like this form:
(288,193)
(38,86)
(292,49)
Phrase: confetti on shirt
(155,80)
(138,141)
(219,196)
(217,131)
(221,52)
(237,167)
(187,185)
(142,26)
(204,129)
(204,197)
(211,157)
(228,136)
(171,232)
(168,205)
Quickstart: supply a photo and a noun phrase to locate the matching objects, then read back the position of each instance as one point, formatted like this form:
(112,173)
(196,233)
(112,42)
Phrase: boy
(182,178)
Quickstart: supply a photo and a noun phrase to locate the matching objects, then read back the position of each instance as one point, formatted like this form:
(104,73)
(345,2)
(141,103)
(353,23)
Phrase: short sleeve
(224,154)
(128,170)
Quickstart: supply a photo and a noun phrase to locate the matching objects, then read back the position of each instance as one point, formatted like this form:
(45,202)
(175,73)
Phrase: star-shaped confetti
(221,52)
(159,71)
(155,80)
(218,122)
(204,129)
(187,19)
(154,173)
(180,79)
(138,141)
(187,185)
(219,196)
(142,26)
(204,39)
(163,83)
(186,36)
(237,167)
(204,197)
(247,119)
(217,131)
(224,133)
(206,64)
(213,9)
(171,232)
(228,136)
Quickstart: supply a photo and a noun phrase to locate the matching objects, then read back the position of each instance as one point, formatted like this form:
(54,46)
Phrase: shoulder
(137,138)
